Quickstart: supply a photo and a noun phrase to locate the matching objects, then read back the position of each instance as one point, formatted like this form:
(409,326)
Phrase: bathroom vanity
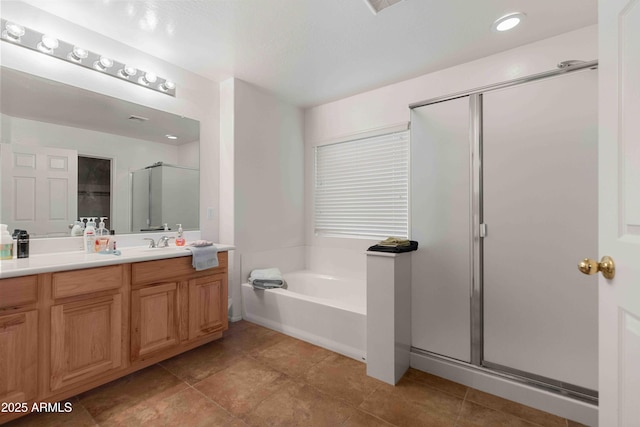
(67,328)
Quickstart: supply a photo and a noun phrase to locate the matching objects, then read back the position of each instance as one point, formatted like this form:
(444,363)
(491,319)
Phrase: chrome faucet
(163,242)
(152,243)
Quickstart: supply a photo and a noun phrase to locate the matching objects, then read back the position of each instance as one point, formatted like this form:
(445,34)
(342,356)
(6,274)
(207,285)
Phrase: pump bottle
(180,239)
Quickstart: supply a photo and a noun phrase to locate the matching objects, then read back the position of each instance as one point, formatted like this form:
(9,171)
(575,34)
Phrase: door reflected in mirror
(94,189)
(49,130)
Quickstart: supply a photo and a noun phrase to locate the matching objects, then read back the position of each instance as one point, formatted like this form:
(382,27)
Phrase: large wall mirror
(67,153)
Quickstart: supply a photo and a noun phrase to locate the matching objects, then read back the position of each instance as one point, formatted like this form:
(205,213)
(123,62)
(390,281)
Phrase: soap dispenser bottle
(102,236)
(180,239)
(90,237)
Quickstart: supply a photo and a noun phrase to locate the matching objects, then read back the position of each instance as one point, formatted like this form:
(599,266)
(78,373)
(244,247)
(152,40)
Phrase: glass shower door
(540,208)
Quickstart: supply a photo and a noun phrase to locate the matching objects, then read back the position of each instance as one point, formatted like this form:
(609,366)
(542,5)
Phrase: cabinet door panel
(207,305)
(85,339)
(18,356)
(154,319)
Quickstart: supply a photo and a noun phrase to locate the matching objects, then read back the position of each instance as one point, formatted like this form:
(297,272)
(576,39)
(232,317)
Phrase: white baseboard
(543,400)
(308,337)
(236,318)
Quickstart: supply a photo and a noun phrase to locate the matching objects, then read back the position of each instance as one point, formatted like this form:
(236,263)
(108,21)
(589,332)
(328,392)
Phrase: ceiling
(314,51)
(34,98)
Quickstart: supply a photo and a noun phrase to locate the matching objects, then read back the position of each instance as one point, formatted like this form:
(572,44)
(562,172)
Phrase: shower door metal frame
(479,231)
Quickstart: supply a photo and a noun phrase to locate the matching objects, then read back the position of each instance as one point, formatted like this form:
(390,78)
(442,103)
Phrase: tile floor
(258,377)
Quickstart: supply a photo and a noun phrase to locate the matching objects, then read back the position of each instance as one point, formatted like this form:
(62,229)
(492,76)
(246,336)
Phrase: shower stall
(504,205)
(165,194)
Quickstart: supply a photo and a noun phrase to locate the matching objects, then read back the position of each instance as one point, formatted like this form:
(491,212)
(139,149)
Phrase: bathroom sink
(147,250)
(164,249)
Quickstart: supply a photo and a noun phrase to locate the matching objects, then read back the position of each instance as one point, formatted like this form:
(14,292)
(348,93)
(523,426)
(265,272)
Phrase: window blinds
(361,187)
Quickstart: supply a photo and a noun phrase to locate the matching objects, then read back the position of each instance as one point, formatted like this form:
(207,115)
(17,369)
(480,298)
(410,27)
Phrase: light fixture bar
(47,44)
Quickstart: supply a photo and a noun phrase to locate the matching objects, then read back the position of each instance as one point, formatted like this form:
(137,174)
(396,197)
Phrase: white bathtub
(323,310)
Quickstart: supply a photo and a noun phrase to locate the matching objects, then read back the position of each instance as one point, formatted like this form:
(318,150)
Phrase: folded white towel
(204,257)
(270,274)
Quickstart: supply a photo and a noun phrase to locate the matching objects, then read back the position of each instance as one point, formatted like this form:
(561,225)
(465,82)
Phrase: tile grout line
(215,403)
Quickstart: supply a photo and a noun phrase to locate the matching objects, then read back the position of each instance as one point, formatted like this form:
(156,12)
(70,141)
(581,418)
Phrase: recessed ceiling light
(171,136)
(509,21)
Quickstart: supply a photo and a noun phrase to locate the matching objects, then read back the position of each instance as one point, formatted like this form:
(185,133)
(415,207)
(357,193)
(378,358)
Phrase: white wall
(262,174)
(388,106)
(189,155)
(196,97)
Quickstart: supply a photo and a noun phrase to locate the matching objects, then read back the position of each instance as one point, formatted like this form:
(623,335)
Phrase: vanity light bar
(49,45)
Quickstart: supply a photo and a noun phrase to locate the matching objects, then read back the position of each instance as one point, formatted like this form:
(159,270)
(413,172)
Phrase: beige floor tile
(251,338)
(525,412)
(238,326)
(342,377)
(362,419)
(242,386)
(121,394)
(299,404)
(474,415)
(291,356)
(436,382)
(185,408)
(413,404)
(78,417)
(202,362)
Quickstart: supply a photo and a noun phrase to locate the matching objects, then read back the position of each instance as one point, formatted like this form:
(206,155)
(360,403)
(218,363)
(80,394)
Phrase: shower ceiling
(314,51)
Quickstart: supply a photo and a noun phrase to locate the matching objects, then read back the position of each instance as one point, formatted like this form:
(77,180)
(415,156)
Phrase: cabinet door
(85,339)
(154,319)
(207,305)
(18,356)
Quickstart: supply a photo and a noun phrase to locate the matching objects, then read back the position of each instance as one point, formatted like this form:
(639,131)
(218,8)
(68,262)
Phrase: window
(362,186)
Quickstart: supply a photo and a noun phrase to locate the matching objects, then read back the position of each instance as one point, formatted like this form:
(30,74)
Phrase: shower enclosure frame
(479,231)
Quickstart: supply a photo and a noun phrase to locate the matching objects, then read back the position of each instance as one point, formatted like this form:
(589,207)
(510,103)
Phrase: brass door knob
(606,266)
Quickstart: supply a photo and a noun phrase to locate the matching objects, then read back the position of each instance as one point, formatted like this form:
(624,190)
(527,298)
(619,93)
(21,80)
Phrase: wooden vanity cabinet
(18,340)
(86,316)
(174,306)
(155,319)
(207,305)
(66,332)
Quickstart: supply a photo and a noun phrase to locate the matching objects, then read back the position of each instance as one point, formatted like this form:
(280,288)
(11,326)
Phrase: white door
(619,211)
(39,189)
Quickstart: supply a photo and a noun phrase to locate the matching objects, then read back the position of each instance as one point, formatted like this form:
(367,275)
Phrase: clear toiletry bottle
(6,243)
(180,239)
(90,237)
(102,236)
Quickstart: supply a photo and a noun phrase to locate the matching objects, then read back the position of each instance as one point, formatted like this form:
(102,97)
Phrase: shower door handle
(606,266)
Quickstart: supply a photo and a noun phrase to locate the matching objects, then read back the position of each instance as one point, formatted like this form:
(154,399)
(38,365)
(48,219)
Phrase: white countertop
(75,260)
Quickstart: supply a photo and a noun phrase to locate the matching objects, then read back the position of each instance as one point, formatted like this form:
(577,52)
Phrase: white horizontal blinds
(362,186)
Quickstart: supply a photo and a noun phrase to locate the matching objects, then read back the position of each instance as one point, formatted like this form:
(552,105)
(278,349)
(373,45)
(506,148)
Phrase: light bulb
(47,44)
(13,31)
(148,78)
(103,63)
(78,54)
(168,85)
(128,71)
(509,21)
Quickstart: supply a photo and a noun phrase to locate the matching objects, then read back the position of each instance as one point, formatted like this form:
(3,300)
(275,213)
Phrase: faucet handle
(163,241)
(152,243)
